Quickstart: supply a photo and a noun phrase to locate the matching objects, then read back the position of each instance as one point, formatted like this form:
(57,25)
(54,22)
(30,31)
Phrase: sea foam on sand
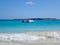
(28,37)
(19,37)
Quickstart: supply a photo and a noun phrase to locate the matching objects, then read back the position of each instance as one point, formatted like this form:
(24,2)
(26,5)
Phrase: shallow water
(14,26)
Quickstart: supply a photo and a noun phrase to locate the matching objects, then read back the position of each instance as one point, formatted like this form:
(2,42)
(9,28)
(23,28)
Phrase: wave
(27,36)
(18,37)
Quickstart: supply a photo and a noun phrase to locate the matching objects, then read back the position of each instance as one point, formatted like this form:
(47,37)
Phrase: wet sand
(22,43)
(48,41)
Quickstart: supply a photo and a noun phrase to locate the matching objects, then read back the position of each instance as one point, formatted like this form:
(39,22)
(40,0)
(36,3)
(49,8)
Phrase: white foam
(19,37)
(54,35)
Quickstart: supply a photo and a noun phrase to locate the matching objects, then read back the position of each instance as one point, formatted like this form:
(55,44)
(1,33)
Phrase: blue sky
(10,9)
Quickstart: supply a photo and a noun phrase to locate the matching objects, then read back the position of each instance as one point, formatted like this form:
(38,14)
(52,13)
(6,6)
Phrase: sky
(16,9)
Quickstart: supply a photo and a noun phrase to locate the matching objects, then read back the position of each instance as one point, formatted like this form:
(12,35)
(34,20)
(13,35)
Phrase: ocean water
(16,26)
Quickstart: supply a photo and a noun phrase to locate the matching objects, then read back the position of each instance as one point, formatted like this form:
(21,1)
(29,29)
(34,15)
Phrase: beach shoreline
(48,41)
(26,43)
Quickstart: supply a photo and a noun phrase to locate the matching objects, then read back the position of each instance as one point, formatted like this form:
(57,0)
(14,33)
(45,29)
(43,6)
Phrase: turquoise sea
(15,26)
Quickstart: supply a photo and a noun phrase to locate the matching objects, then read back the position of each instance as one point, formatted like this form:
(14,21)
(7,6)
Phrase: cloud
(29,3)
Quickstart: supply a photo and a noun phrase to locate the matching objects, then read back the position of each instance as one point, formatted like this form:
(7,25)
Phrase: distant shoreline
(32,19)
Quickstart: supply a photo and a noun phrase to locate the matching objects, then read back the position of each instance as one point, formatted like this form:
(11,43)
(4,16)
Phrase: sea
(17,26)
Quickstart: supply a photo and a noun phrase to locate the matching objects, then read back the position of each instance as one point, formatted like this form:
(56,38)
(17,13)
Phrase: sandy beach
(22,43)
(48,41)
